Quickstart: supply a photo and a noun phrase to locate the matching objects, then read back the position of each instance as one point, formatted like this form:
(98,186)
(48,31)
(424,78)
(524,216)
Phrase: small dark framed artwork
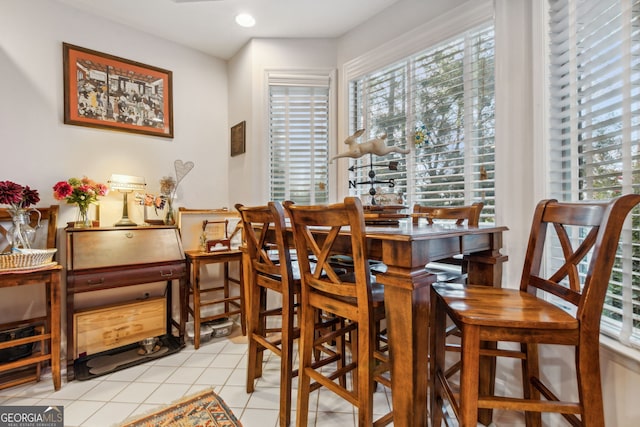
(109,92)
(238,133)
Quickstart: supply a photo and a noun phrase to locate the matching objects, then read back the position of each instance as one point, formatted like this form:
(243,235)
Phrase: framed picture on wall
(105,91)
(238,133)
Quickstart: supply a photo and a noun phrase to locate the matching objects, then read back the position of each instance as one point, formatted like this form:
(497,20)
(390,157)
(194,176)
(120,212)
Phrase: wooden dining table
(405,249)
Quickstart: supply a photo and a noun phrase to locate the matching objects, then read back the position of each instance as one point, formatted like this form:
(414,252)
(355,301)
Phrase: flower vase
(22,235)
(169,216)
(83,220)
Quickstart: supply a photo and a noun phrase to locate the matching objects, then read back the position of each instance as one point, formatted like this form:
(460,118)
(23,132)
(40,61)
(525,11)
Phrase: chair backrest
(48,218)
(199,226)
(265,241)
(323,279)
(588,233)
(468,213)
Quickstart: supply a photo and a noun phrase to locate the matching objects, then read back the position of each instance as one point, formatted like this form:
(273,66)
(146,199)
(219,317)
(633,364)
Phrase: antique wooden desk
(112,257)
(233,304)
(405,250)
(49,338)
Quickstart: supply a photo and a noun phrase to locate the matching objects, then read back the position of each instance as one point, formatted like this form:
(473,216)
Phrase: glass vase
(83,219)
(169,216)
(21,235)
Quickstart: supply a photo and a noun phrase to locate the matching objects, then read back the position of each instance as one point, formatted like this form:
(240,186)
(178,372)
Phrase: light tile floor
(219,363)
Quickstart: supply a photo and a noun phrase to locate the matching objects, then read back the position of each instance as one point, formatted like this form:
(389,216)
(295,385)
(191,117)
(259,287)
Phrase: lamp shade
(127,183)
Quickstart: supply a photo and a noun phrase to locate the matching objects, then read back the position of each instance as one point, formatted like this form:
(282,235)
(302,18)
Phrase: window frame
(433,33)
(302,78)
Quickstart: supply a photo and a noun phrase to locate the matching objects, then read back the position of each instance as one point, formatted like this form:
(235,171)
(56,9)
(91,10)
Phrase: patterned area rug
(205,409)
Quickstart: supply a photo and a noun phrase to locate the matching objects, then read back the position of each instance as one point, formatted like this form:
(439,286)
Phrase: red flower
(10,193)
(29,197)
(17,196)
(62,190)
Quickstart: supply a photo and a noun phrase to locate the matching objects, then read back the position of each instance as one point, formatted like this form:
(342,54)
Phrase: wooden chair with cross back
(560,305)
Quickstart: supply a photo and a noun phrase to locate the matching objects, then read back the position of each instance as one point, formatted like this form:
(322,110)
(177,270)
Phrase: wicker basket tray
(26,258)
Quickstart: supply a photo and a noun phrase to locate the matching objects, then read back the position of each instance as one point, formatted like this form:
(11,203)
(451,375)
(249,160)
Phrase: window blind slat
(594,73)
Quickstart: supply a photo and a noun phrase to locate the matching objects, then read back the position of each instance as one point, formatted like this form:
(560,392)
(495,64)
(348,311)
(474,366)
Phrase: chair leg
(256,327)
(305,353)
(437,367)
(530,370)
(226,291)
(243,301)
(364,374)
(227,294)
(286,360)
(590,386)
(196,313)
(355,351)
(469,374)
(317,354)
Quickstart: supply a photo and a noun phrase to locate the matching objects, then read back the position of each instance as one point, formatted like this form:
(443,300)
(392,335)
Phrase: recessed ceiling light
(245,20)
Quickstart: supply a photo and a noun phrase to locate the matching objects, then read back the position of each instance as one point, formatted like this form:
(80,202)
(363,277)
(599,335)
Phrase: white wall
(241,167)
(40,150)
(247,69)
(401,17)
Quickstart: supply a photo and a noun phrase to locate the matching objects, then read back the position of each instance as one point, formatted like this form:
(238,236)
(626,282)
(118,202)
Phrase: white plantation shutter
(454,99)
(594,132)
(447,93)
(299,138)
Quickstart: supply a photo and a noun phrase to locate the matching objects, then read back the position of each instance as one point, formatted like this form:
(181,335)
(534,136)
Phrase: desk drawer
(94,280)
(100,329)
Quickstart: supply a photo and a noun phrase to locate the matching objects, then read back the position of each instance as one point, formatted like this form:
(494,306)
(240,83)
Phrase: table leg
(406,297)
(71,344)
(183,294)
(225,269)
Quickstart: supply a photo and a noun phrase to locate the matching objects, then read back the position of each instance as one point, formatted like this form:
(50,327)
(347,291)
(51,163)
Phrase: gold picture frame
(109,92)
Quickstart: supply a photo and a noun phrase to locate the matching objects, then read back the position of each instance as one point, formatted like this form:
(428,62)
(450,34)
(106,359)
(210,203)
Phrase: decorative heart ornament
(182,169)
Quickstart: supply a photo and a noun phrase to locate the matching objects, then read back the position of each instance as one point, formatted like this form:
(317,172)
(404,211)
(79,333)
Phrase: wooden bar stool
(453,269)
(352,297)
(270,327)
(578,242)
(273,293)
(215,301)
(210,297)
